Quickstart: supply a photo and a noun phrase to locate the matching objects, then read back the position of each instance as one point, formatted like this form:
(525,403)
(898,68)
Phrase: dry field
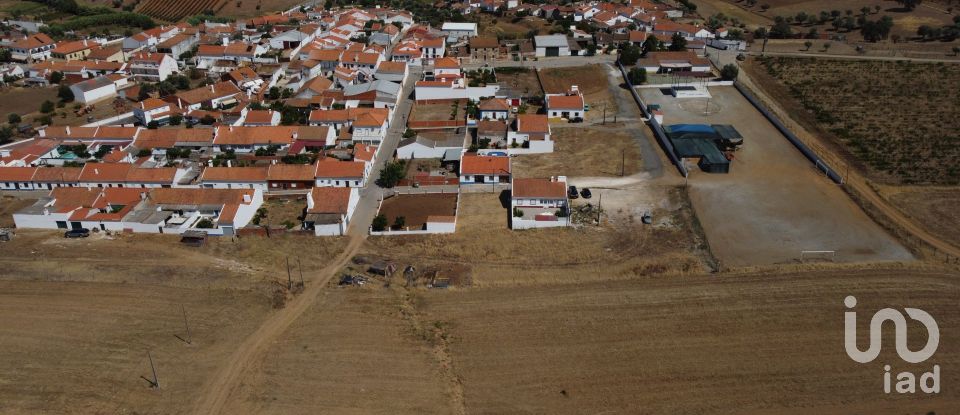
(860,106)
(507,28)
(499,256)
(934,208)
(583,151)
(10,205)
(80,316)
(24,101)
(905,23)
(763,343)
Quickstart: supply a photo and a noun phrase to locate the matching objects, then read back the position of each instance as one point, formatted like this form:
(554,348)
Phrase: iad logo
(906,381)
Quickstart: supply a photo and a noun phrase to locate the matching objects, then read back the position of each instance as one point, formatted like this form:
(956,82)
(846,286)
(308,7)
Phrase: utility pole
(185,325)
(599,208)
(156,380)
(289,281)
(301,272)
(623,161)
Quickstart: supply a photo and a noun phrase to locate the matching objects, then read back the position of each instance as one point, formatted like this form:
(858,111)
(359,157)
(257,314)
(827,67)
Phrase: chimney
(247,199)
(212,89)
(68,130)
(229,163)
(96,171)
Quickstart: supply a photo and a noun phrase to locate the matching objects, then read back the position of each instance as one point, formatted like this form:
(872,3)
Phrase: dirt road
(219,387)
(854,179)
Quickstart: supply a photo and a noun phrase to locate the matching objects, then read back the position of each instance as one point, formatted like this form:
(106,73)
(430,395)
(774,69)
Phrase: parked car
(585,193)
(572,192)
(77,233)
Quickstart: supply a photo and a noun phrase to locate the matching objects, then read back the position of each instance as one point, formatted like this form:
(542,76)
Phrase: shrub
(379,223)
(205,224)
(729,72)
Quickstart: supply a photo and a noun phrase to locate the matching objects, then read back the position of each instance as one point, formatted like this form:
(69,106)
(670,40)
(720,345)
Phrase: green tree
(56,77)
(204,224)
(392,173)
(64,93)
(652,44)
(637,76)
(47,107)
(379,223)
(729,72)
(399,222)
(629,54)
(808,44)
(678,43)
(176,119)
(14,118)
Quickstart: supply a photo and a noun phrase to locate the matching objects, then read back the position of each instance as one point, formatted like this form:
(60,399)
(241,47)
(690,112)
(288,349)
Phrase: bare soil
(762,343)
(773,204)
(416,208)
(499,256)
(582,150)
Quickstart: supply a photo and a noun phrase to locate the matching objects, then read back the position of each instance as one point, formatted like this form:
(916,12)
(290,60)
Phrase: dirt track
(217,389)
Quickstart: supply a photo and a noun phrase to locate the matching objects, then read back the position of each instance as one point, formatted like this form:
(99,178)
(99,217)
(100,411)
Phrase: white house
(329,210)
(234,178)
(152,67)
(475,169)
(531,133)
(335,173)
(569,105)
(457,31)
(153,109)
(421,147)
(494,109)
(539,203)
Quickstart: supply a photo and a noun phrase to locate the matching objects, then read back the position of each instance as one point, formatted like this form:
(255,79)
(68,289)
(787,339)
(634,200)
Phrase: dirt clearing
(500,256)
(416,208)
(592,83)
(582,150)
(773,204)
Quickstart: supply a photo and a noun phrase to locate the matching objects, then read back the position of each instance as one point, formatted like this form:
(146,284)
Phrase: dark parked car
(585,193)
(77,233)
(572,192)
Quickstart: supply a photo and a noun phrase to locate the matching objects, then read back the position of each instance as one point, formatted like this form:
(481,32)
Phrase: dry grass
(81,347)
(358,347)
(583,151)
(522,80)
(10,205)
(763,343)
(934,208)
(246,263)
(850,101)
(415,209)
(283,211)
(499,256)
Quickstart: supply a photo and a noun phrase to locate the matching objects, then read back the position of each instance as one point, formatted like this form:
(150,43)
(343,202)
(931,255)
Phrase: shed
(193,238)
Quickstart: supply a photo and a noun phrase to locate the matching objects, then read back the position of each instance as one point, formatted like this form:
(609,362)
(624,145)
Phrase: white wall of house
(565,113)
(94,95)
(494,115)
(473,93)
(262,186)
(340,182)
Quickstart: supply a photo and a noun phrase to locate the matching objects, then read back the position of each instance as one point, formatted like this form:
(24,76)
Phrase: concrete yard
(773,204)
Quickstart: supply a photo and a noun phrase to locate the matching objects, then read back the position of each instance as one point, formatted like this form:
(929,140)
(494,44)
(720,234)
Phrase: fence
(809,154)
(654,125)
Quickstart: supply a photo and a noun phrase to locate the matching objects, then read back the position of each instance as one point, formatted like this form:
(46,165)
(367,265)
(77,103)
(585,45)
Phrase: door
(75,225)
(553,51)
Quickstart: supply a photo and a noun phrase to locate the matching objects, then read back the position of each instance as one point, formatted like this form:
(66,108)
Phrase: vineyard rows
(174,10)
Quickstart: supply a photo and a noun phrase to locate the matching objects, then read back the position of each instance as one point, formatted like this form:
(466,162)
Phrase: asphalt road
(372,194)
(555,62)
